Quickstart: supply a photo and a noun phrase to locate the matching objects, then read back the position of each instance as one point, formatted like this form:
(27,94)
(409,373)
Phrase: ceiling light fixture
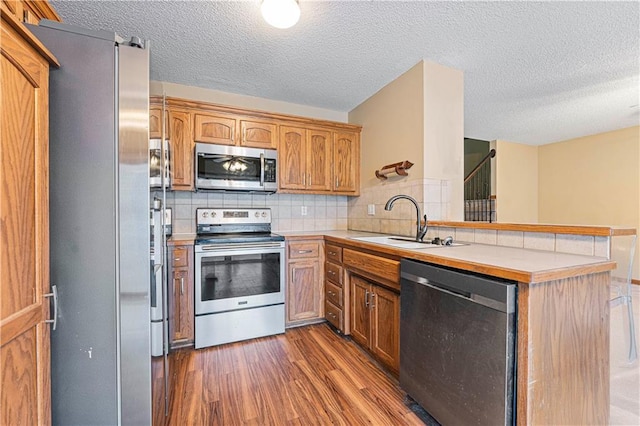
(280,13)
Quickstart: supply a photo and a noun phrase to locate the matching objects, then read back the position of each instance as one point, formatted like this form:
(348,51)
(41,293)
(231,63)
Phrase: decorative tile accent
(511,239)
(575,244)
(539,241)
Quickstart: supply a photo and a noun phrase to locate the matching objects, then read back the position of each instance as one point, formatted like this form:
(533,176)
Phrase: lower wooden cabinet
(375,320)
(181,296)
(305,298)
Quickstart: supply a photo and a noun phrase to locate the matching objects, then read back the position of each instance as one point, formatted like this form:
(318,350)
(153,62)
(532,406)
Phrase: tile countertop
(522,265)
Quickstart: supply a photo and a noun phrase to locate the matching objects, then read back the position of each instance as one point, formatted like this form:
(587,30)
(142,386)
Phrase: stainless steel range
(239,276)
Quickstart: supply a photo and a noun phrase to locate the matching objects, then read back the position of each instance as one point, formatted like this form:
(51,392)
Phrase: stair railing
(479,203)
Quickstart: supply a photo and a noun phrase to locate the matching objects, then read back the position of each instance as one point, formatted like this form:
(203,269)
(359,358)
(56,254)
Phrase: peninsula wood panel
(567,329)
(25,393)
(181,150)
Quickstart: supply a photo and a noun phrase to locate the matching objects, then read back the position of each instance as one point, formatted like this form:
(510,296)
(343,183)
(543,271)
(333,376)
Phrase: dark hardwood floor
(308,376)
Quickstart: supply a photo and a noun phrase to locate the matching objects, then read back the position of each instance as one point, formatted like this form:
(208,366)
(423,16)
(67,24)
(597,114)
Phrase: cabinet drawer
(333,315)
(333,272)
(373,265)
(304,250)
(334,253)
(180,257)
(333,293)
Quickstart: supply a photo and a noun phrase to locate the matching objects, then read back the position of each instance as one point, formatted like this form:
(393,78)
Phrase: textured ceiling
(535,72)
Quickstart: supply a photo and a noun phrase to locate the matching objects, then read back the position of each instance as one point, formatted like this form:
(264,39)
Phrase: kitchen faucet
(420,230)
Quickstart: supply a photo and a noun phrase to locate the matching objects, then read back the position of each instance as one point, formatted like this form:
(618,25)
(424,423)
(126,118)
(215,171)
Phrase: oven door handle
(261,169)
(238,246)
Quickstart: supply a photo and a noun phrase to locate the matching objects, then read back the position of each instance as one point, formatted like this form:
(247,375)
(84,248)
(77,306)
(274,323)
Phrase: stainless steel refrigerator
(99,203)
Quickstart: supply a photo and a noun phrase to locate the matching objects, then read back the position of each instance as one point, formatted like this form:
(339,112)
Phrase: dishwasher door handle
(475,298)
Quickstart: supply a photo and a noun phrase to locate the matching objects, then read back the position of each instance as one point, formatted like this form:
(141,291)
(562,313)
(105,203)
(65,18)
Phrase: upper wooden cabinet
(180,149)
(315,156)
(214,129)
(31,11)
(346,162)
(155,122)
(305,161)
(229,130)
(256,134)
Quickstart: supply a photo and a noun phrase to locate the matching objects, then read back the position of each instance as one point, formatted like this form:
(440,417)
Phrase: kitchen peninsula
(563,318)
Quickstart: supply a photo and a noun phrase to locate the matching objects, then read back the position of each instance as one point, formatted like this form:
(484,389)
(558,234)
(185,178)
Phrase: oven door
(238,276)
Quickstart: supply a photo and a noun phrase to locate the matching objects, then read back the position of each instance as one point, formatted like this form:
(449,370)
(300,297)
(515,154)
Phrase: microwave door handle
(261,169)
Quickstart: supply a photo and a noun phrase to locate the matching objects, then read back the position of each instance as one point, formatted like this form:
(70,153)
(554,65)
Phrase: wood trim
(634,281)
(23,32)
(597,231)
(289,119)
(16,324)
(44,9)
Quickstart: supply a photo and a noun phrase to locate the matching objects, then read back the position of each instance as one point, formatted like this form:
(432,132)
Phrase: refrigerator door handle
(54,295)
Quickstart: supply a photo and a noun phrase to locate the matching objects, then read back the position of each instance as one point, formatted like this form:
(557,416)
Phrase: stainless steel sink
(402,242)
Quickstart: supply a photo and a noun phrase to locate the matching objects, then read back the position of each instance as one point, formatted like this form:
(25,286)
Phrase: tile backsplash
(433,197)
(324,212)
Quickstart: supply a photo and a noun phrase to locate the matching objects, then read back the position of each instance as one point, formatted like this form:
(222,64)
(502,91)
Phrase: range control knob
(257,214)
(213,214)
(205,214)
(264,214)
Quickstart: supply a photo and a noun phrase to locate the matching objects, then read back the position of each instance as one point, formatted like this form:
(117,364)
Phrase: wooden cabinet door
(214,129)
(318,160)
(180,150)
(385,329)
(155,122)
(304,292)
(183,316)
(346,157)
(360,322)
(256,134)
(292,158)
(25,354)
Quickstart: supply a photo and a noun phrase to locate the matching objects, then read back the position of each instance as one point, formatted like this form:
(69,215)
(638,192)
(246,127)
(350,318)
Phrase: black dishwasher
(457,344)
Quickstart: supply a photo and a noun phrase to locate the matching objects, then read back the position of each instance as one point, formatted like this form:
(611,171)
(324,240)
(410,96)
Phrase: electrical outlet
(371,209)
(303,211)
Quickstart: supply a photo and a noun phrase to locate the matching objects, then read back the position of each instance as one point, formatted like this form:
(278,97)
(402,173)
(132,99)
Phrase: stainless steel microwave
(231,168)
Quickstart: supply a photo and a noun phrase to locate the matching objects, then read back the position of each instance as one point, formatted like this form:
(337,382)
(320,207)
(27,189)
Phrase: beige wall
(516,185)
(593,180)
(392,126)
(443,152)
(242,101)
